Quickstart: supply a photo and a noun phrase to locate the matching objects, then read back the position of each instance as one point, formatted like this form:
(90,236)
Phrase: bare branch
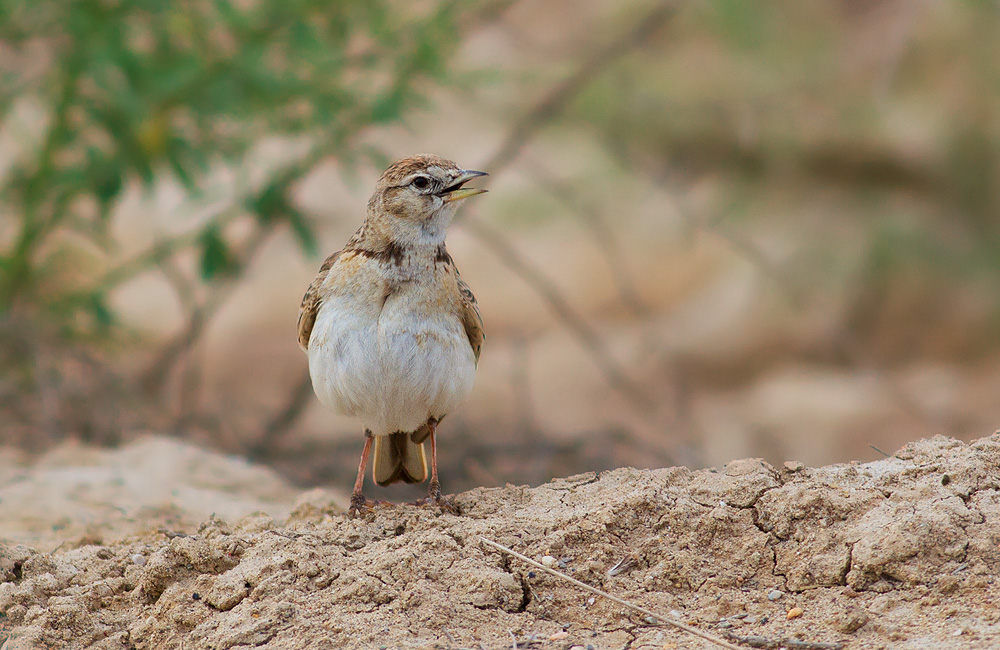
(594,590)
(523,131)
(605,237)
(565,312)
(556,100)
(280,424)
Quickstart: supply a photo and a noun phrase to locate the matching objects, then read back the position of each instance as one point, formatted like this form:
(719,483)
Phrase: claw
(360,505)
(435,498)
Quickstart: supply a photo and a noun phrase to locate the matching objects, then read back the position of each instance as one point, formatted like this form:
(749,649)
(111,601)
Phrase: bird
(392,332)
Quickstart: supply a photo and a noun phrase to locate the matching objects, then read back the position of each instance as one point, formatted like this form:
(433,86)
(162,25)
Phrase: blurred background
(715,229)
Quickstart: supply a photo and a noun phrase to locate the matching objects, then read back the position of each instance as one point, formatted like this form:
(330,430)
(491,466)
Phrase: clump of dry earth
(903,553)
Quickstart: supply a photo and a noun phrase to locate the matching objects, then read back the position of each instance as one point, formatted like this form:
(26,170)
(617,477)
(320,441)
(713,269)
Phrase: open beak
(455,191)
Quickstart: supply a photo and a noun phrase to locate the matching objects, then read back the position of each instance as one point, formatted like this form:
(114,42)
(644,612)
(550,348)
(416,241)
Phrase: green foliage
(139,90)
(216,258)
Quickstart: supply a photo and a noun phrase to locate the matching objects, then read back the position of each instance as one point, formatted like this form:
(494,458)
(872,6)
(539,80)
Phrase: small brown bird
(392,331)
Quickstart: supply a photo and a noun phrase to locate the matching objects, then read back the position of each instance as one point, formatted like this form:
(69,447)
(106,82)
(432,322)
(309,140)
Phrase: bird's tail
(398,458)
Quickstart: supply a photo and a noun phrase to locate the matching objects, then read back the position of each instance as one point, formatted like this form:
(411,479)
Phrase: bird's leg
(434,488)
(358,501)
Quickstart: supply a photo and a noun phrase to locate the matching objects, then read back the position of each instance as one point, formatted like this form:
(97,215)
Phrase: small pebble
(794,612)
(139,559)
(676,614)
(559,636)
(576,647)
(725,625)
(196,596)
(775,594)
(548,561)
(591,600)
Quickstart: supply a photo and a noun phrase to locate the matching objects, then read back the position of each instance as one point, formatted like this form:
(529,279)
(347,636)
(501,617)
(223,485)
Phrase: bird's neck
(406,251)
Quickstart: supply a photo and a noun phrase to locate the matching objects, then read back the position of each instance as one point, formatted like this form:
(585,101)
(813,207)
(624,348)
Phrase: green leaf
(104,178)
(216,258)
(304,233)
(272,203)
(180,170)
(388,107)
(98,307)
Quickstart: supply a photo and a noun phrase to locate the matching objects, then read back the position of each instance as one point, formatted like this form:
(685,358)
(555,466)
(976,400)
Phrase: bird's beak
(455,191)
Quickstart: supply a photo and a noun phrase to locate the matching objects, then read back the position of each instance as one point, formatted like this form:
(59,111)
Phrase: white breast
(392,368)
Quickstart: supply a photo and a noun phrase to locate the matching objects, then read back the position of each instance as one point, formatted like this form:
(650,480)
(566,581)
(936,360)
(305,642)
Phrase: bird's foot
(361,505)
(435,498)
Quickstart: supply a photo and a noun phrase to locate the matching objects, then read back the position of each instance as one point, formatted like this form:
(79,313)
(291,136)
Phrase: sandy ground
(902,553)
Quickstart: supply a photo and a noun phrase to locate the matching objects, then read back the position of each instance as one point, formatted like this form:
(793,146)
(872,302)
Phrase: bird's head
(419,196)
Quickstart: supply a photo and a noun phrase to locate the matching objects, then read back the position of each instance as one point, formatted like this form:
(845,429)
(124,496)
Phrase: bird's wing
(471,319)
(312,300)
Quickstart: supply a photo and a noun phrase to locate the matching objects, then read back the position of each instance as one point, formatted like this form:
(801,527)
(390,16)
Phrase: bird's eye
(421,182)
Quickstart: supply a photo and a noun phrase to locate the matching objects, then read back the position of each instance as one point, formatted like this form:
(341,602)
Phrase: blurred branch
(524,130)
(605,238)
(286,417)
(164,250)
(173,352)
(577,325)
(844,344)
(559,97)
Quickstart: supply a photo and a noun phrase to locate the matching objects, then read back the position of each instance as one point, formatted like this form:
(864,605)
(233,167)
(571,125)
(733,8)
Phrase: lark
(392,332)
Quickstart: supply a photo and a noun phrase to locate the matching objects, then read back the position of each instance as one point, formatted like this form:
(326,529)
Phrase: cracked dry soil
(901,553)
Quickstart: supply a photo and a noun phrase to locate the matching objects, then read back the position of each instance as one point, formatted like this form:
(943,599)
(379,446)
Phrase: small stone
(576,647)
(794,466)
(591,600)
(724,624)
(849,621)
(794,612)
(139,559)
(948,584)
(775,594)
(548,561)
(559,636)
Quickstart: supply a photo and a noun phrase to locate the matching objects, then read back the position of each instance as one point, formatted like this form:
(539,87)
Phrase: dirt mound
(76,494)
(902,552)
